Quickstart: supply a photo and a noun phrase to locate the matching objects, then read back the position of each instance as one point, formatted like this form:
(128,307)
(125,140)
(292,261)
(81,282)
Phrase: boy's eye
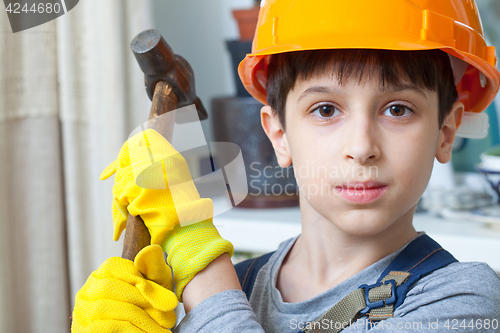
(325,111)
(398,111)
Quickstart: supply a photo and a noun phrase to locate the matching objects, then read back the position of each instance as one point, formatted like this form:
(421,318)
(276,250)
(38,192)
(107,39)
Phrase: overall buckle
(381,303)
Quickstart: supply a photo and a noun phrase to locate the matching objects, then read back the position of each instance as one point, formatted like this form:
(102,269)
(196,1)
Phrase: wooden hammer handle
(164,100)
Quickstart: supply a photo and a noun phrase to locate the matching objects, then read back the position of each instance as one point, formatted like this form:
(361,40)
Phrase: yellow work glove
(155,206)
(126,296)
(190,248)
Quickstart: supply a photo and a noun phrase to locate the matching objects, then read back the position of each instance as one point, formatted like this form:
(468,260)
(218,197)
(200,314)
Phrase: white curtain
(70,92)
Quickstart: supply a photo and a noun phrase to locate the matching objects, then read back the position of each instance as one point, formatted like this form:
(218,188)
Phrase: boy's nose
(361,143)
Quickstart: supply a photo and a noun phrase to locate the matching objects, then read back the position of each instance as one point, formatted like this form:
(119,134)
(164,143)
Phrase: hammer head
(159,63)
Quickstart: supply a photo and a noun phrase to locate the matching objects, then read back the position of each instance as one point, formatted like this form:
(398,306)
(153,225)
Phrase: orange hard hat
(453,26)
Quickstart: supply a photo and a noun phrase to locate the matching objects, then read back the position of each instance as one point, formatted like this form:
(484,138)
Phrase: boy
(363,87)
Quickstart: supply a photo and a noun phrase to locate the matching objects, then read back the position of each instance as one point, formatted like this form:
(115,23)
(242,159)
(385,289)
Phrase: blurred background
(70,94)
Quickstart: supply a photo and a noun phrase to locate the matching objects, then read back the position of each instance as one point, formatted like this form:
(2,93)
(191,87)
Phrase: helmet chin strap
(474,125)
(459,66)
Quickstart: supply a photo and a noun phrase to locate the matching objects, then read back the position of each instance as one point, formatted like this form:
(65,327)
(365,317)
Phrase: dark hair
(429,69)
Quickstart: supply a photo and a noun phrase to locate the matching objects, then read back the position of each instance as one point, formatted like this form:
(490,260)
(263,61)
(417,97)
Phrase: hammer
(169,82)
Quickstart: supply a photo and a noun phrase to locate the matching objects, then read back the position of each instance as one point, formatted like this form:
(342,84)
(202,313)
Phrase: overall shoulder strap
(378,301)
(247,272)
(420,258)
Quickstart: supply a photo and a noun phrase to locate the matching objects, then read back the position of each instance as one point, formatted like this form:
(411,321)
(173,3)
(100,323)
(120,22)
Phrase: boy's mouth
(363,185)
(362,192)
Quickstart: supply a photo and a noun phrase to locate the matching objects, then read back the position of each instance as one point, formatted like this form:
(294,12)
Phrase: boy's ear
(274,131)
(448,131)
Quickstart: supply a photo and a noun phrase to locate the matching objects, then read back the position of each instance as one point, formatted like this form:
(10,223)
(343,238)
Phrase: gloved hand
(118,298)
(155,206)
(190,248)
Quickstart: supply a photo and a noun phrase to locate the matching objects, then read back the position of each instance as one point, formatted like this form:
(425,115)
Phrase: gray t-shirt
(461,297)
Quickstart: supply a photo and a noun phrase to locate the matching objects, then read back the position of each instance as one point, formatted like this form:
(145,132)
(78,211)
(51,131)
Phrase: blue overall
(421,257)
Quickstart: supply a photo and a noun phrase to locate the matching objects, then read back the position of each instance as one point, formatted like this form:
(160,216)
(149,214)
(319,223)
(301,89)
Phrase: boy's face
(362,156)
